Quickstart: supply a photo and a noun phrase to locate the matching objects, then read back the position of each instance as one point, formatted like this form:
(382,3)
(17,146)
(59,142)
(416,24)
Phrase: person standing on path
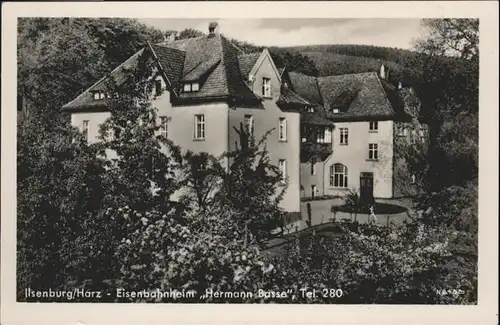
(372,218)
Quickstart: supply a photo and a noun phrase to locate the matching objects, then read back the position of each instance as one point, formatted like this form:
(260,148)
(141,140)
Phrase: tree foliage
(448,85)
(448,88)
(58,58)
(451,36)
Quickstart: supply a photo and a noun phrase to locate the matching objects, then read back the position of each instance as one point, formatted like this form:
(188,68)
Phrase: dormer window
(98,95)
(190,87)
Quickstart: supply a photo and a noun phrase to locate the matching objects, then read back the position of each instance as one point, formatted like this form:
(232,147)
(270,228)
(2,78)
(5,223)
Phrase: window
(373,151)
(158,87)
(310,109)
(338,175)
(413,178)
(313,166)
(324,135)
(248,124)
(313,191)
(401,130)
(163,126)
(266,87)
(191,87)
(320,135)
(344,136)
(282,129)
(85,129)
(328,135)
(98,95)
(335,111)
(374,126)
(282,169)
(199,127)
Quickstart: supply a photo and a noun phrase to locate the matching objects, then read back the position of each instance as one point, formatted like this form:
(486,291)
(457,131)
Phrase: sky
(399,33)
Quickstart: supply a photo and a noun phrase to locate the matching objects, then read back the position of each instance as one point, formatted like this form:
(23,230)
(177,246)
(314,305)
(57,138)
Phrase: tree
(293,61)
(201,177)
(189,33)
(353,203)
(448,87)
(252,189)
(451,36)
(142,161)
(60,190)
(247,47)
(58,58)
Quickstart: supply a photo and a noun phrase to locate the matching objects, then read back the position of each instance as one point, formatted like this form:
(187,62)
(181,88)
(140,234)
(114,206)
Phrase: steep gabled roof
(236,85)
(396,100)
(247,62)
(119,75)
(287,96)
(172,62)
(211,61)
(359,95)
(306,86)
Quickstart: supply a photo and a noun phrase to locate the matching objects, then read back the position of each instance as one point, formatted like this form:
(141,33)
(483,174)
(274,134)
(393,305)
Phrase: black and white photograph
(182,160)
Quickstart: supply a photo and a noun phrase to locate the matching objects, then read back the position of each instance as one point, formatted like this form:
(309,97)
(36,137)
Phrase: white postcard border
(486,312)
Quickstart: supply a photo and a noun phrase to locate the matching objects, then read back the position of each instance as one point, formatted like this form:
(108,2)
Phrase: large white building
(330,134)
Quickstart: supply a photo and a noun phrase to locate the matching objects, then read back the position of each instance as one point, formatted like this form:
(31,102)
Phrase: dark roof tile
(305,86)
(247,62)
(172,62)
(356,95)
(119,75)
(287,96)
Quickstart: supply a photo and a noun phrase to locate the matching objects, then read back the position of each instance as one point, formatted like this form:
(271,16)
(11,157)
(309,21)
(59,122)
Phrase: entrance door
(366,188)
(313,191)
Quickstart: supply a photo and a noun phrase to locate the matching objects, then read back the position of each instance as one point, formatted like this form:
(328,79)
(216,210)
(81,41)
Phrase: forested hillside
(329,64)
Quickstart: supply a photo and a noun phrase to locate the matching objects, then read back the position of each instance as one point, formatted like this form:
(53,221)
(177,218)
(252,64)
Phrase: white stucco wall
(355,157)
(181,125)
(95,120)
(268,119)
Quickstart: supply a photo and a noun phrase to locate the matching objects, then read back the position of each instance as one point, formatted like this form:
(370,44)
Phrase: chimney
(213,29)
(382,72)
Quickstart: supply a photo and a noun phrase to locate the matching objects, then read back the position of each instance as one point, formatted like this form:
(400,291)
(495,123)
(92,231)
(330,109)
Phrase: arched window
(338,175)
